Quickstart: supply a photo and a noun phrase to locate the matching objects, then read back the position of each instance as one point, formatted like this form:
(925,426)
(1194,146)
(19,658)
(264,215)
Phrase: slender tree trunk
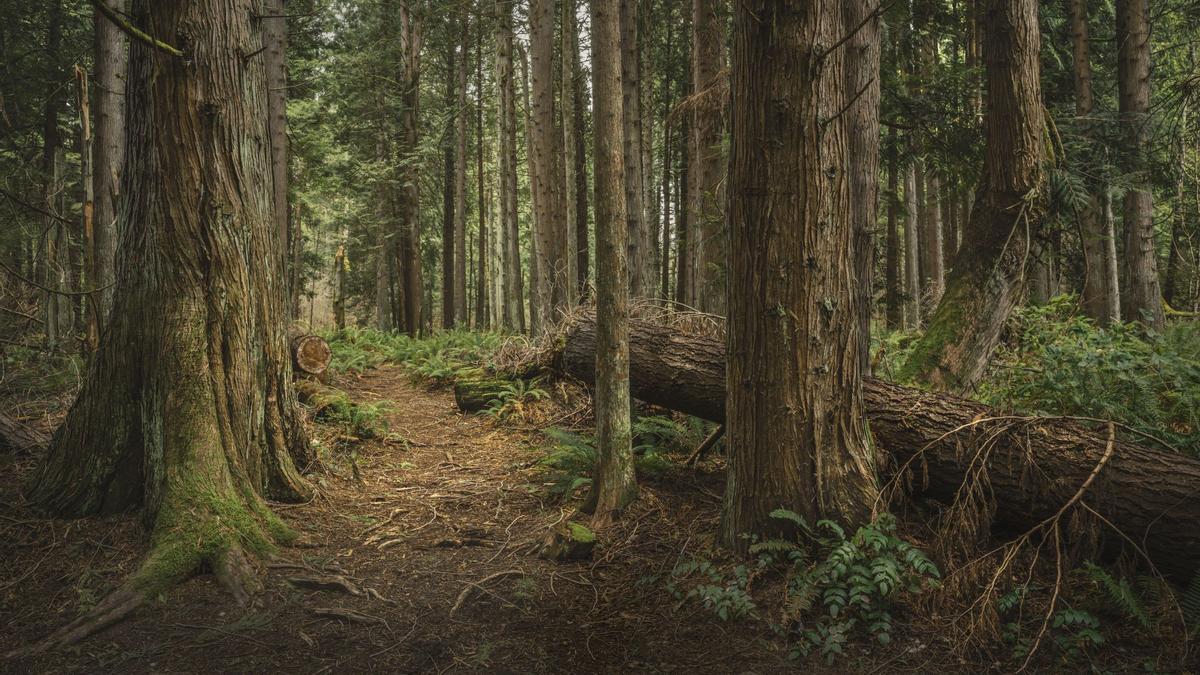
(536,291)
(55,239)
(581,180)
(634,174)
(1171,281)
(275,35)
(460,180)
(1143,300)
(1112,284)
(411,39)
(91,319)
(795,426)
(570,131)
(932,266)
(685,245)
(707,170)
(989,278)
(514,287)
(614,485)
(482,306)
(895,307)
(546,157)
(862,123)
(108,148)
(187,412)
(450,171)
(912,245)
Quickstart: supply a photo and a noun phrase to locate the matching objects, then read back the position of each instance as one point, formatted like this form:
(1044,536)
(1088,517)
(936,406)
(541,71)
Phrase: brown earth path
(411,525)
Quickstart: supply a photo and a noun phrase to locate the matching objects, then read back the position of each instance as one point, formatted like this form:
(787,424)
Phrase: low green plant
(728,598)
(362,420)
(513,396)
(839,585)
(1059,363)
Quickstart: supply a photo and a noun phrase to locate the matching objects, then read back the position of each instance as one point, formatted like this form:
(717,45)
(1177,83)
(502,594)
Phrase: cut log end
(310,355)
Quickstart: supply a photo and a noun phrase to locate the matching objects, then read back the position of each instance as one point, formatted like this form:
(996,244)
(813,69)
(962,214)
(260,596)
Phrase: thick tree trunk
(108,148)
(989,277)
(187,411)
(613,486)
(1148,493)
(794,398)
(862,124)
(450,170)
(707,171)
(1143,300)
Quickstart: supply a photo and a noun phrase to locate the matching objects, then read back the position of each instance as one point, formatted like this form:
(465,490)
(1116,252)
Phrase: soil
(421,517)
(420,552)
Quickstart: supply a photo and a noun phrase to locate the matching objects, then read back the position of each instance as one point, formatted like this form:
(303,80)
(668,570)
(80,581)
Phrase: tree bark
(912,245)
(794,398)
(707,171)
(411,39)
(862,122)
(614,485)
(108,148)
(460,180)
(546,158)
(1143,299)
(482,304)
(989,277)
(631,106)
(187,412)
(570,159)
(893,294)
(1148,493)
(514,288)
(275,35)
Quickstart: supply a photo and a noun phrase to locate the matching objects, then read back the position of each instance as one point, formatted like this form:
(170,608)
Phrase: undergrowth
(438,358)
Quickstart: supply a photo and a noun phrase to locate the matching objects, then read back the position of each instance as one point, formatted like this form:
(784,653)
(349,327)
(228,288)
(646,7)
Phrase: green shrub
(1062,364)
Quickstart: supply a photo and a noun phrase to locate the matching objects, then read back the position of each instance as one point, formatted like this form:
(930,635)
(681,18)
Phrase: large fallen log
(1034,465)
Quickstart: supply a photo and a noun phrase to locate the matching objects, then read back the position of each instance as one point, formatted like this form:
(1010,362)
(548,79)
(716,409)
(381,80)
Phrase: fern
(1119,593)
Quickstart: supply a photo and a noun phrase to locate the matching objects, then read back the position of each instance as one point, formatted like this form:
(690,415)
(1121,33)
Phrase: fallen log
(1034,465)
(310,353)
(478,392)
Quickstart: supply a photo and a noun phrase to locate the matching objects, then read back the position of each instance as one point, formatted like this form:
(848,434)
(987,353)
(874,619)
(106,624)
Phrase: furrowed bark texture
(1034,466)
(614,486)
(794,428)
(187,407)
(1143,298)
(989,275)
(108,150)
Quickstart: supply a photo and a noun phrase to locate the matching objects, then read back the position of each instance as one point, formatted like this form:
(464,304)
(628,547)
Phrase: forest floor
(440,520)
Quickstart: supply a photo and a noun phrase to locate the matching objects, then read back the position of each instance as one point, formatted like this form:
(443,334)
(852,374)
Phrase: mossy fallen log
(1033,465)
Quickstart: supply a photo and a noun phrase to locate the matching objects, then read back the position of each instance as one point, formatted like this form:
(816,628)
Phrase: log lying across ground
(310,353)
(1035,465)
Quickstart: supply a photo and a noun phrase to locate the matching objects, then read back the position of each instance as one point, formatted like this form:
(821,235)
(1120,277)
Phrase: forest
(600,336)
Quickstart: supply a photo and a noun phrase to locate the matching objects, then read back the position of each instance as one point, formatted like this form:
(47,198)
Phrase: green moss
(580,533)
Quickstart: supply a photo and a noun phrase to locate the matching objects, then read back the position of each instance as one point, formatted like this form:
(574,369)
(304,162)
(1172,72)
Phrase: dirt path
(410,526)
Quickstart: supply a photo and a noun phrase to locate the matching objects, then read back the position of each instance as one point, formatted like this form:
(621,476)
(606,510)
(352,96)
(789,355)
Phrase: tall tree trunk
(108,148)
(1171,281)
(912,245)
(450,171)
(411,38)
(187,412)
(989,278)
(1091,230)
(514,287)
(482,305)
(460,181)
(581,180)
(537,293)
(895,307)
(1143,300)
(614,486)
(1112,284)
(631,106)
(55,239)
(933,269)
(707,170)
(862,124)
(685,236)
(275,35)
(88,229)
(546,158)
(795,423)
(570,131)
